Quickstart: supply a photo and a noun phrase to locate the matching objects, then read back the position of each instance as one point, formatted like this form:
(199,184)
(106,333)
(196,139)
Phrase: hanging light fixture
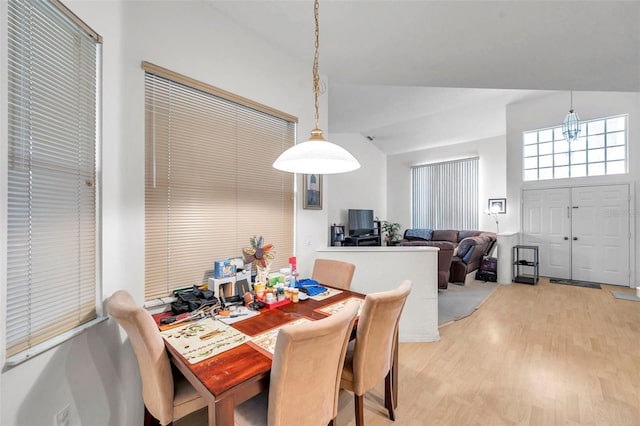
(571,124)
(317,155)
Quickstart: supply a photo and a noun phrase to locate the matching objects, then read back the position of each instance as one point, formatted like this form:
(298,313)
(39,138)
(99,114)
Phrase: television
(360,222)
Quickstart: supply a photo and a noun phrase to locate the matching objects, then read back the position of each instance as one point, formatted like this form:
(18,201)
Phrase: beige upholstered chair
(166,398)
(370,358)
(333,272)
(305,373)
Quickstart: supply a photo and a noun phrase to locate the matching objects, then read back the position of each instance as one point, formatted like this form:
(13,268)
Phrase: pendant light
(317,155)
(571,124)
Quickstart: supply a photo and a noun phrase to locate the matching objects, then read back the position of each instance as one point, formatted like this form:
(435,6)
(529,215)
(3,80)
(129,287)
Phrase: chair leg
(149,420)
(359,400)
(388,395)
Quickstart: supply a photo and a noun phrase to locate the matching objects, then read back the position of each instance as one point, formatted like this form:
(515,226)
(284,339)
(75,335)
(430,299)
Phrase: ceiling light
(571,124)
(317,155)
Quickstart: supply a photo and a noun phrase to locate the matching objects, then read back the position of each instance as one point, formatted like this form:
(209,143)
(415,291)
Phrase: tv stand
(364,240)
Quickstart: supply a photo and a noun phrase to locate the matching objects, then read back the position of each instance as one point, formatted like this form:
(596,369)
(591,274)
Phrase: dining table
(231,377)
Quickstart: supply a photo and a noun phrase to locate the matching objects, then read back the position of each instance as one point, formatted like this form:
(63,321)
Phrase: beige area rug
(457,301)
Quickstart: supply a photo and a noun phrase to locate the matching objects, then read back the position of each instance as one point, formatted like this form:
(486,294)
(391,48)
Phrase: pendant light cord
(316,76)
(571,108)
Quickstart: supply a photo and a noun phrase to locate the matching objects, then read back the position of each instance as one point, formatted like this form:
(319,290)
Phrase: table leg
(223,412)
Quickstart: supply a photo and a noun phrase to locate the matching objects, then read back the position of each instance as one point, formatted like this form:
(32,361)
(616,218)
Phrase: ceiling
(418,74)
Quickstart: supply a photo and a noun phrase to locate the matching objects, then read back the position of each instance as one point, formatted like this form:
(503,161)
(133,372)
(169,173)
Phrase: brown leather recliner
(469,256)
(467,248)
(444,257)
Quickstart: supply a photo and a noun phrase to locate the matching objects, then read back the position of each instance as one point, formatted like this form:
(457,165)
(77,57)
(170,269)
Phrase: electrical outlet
(62,418)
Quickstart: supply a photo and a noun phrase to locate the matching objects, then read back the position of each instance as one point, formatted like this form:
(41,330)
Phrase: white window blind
(210,185)
(52,221)
(445,195)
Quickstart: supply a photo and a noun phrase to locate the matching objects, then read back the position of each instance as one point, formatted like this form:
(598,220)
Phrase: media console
(364,240)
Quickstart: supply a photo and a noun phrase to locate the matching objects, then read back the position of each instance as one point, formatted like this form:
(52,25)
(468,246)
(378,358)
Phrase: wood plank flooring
(531,355)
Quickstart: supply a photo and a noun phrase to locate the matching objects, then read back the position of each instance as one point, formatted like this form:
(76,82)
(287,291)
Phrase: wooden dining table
(238,374)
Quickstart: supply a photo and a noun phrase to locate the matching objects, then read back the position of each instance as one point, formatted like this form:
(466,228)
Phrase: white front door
(546,223)
(600,234)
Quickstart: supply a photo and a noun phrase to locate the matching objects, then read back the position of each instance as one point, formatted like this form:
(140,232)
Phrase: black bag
(190,300)
(488,270)
(489,264)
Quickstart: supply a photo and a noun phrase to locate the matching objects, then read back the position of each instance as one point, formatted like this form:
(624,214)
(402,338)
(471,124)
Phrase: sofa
(461,252)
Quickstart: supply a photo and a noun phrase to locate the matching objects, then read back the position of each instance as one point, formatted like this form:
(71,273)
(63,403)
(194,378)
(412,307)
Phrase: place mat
(335,307)
(203,339)
(625,296)
(329,293)
(266,342)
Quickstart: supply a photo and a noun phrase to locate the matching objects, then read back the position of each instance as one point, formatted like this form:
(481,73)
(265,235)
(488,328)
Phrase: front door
(546,223)
(582,233)
(600,234)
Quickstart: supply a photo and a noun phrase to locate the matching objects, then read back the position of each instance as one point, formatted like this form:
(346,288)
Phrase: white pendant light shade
(316,156)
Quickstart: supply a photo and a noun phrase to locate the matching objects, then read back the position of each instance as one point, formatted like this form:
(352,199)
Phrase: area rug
(575,282)
(457,302)
(625,296)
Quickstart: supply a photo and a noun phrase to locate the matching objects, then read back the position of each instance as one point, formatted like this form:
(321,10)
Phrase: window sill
(21,357)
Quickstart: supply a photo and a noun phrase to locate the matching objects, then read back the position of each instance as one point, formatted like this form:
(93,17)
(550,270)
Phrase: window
(601,149)
(445,195)
(52,213)
(210,185)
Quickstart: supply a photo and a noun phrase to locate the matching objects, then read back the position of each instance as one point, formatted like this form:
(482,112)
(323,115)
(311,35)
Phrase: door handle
(575,238)
(566,238)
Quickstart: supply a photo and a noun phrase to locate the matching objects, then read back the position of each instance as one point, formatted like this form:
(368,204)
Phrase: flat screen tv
(360,222)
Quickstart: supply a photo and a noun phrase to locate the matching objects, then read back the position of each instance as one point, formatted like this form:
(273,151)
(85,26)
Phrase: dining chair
(305,373)
(167,395)
(333,272)
(370,357)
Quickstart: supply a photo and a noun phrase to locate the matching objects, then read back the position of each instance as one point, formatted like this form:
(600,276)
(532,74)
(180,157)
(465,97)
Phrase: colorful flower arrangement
(258,251)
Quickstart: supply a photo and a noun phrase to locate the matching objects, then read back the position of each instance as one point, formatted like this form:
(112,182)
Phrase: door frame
(632,215)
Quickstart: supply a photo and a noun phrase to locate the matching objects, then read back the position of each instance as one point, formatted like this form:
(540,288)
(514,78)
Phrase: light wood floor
(531,355)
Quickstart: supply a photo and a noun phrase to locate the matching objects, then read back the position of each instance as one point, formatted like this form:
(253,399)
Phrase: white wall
(364,188)
(550,111)
(419,321)
(96,373)
(492,177)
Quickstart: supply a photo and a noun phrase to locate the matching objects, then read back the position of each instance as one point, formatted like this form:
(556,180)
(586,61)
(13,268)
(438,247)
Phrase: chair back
(333,272)
(306,369)
(148,345)
(375,337)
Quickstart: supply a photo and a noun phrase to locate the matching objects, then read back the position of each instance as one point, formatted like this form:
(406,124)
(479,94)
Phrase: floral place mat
(327,294)
(203,339)
(335,307)
(266,342)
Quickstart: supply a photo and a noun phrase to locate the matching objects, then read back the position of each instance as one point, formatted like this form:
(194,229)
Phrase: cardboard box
(224,268)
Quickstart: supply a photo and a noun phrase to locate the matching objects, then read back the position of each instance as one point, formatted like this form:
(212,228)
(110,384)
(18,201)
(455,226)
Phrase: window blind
(445,195)
(52,144)
(209,184)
